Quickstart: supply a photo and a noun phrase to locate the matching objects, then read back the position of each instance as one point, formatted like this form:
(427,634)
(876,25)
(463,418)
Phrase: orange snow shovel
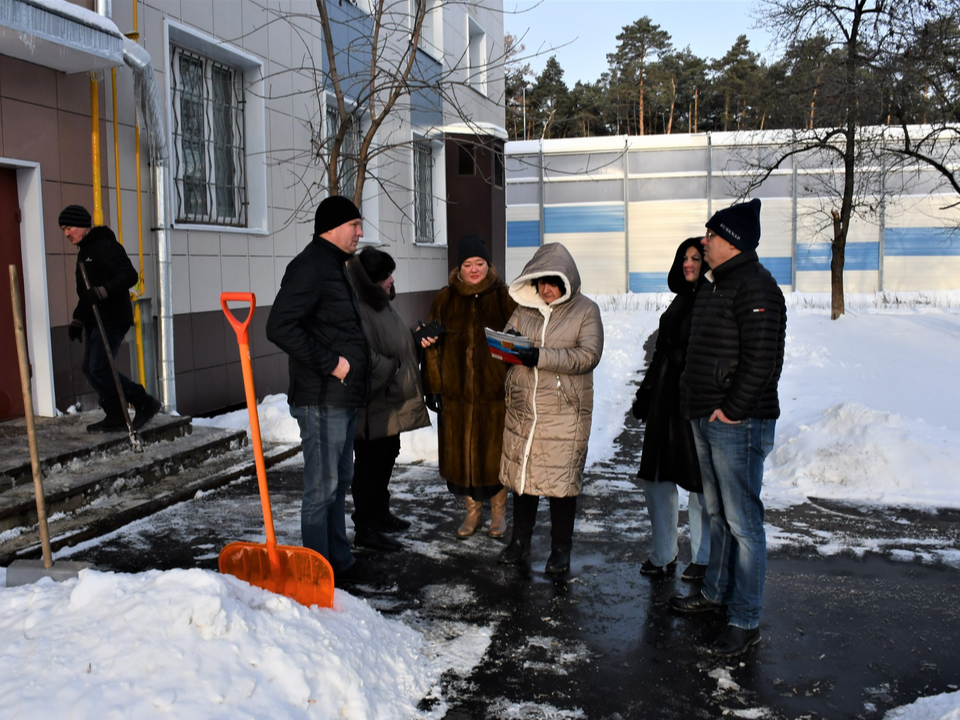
(297,572)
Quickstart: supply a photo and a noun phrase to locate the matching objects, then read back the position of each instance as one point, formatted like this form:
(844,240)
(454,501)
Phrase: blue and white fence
(622,205)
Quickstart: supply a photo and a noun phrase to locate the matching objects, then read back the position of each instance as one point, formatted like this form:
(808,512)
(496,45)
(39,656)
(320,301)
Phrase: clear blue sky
(709,27)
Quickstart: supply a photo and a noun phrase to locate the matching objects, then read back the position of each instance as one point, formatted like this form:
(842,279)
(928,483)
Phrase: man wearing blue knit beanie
(728,390)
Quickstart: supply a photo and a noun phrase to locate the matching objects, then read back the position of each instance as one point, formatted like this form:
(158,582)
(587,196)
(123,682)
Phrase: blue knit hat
(738,224)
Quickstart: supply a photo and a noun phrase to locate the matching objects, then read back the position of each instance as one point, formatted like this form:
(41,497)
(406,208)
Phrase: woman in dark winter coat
(549,401)
(669,455)
(396,400)
(465,385)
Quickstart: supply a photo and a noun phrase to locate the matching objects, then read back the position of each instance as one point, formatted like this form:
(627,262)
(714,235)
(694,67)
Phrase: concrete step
(93,490)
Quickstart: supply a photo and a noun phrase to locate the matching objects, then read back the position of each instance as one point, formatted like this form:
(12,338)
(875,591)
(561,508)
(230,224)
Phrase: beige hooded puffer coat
(550,407)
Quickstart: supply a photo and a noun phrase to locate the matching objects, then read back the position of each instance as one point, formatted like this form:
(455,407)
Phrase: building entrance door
(11,396)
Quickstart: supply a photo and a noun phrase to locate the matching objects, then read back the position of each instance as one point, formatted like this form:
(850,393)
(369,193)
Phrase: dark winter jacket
(462,371)
(736,343)
(107,266)
(315,319)
(668,438)
(396,394)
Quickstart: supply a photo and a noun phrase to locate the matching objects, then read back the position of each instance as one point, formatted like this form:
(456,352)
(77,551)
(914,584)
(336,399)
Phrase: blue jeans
(699,518)
(96,366)
(663,508)
(326,436)
(731,463)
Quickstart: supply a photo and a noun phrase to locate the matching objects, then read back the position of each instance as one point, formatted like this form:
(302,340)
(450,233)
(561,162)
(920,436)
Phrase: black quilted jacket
(315,319)
(107,266)
(736,343)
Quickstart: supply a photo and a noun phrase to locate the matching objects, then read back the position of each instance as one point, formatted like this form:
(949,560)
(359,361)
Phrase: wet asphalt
(861,604)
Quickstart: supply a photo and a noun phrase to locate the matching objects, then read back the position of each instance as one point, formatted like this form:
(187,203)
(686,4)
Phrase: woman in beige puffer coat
(549,401)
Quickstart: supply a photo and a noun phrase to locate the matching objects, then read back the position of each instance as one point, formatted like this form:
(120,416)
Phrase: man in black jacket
(728,390)
(315,319)
(111,275)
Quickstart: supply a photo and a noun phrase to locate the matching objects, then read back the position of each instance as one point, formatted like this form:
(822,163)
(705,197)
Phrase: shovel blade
(303,574)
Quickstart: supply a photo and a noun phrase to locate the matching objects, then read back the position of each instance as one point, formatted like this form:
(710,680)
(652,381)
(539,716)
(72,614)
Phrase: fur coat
(469,380)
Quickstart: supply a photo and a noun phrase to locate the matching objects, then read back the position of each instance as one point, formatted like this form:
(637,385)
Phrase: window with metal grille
(209,157)
(348,163)
(423,191)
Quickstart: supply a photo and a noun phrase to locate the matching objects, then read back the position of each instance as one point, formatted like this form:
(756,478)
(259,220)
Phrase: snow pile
(196,644)
(273,414)
(938,707)
(853,452)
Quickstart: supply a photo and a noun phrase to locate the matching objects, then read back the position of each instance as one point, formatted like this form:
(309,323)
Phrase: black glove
(434,402)
(75,331)
(91,296)
(641,404)
(528,356)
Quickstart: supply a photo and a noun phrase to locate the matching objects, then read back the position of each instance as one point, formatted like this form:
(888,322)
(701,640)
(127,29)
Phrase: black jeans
(96,367)
(372,468)
(562,512)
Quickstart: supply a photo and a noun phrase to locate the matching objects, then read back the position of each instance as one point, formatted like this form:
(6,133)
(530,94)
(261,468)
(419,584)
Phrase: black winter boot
(113,420)
(513,553)
(147,408)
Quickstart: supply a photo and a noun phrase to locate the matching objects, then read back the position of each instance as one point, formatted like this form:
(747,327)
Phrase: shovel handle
(239,327)
(251,395)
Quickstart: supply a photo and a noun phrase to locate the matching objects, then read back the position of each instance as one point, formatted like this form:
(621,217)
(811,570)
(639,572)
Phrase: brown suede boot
(473,520)
(498,514)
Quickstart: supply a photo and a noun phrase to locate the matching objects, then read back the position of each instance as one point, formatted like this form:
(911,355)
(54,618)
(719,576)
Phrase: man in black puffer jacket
(111,275)
(728,390)
(315,319)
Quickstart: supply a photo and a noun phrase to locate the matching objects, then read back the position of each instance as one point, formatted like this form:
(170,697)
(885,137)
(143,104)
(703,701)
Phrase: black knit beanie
(75,216)
(471,246)
(334,212)
(377,264)
(738,224)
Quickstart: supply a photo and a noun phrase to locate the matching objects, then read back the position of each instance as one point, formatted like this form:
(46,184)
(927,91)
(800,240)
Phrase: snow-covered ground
(870,415)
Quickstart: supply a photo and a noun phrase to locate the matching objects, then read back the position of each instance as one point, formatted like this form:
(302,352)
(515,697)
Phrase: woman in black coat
(669,456)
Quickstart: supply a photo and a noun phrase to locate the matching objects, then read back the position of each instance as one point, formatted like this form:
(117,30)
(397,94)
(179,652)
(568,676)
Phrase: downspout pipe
(151,110)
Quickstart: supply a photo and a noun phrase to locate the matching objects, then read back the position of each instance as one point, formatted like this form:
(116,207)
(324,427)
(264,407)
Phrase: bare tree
(869,38)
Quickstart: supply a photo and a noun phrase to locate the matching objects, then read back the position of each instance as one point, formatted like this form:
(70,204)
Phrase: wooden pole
(28,410)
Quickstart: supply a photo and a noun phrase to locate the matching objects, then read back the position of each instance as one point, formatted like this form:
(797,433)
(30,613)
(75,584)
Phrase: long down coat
(396,395)
(461,370)
(550,406)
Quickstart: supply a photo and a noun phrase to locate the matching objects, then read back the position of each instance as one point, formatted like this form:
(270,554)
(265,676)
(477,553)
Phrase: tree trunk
(726,111)
(836,267)
(673,101)
(640,114)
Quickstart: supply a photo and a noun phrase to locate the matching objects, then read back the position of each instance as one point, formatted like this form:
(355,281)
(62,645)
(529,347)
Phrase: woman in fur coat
(464,385)
(549,401)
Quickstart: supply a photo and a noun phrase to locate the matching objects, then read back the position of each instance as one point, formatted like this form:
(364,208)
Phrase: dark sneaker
(694,571)
(734,641)
(359,574)
(558,563)
(648,568)
(391,523)
(146,412)
(693,604)
(375,540)
(514,552)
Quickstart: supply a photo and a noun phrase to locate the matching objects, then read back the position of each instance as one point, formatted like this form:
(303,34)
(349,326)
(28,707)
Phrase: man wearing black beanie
(316,320)
(728,390)
(111,275)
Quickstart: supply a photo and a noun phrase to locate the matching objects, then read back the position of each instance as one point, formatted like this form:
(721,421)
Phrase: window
(476,56)
(431,39)
(348,161)
(208,138)
(466,159)
(498,169)
(423,191)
